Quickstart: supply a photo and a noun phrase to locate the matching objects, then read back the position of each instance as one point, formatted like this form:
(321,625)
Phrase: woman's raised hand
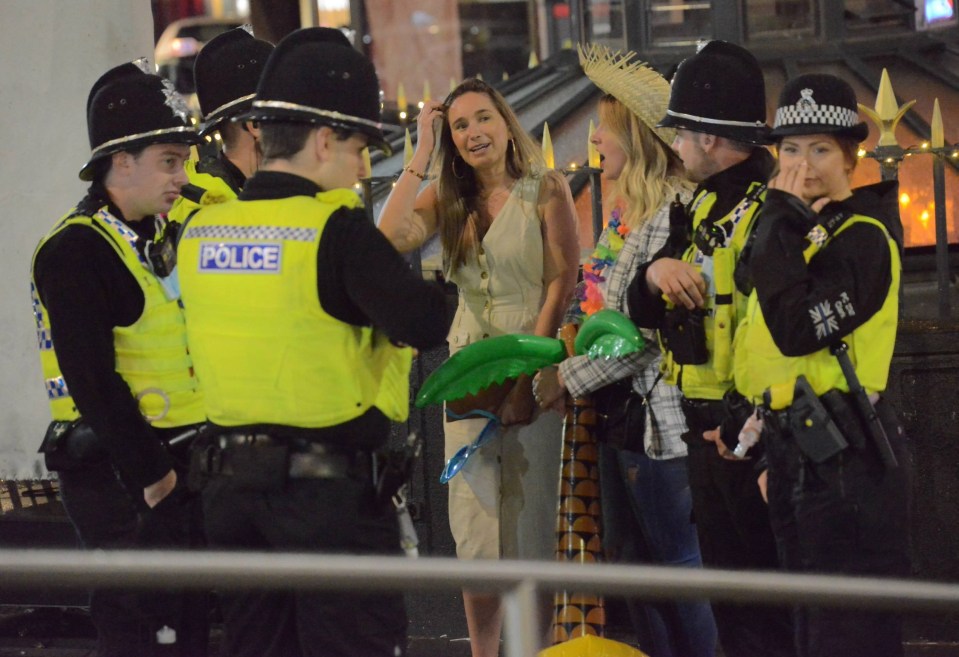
(432,112)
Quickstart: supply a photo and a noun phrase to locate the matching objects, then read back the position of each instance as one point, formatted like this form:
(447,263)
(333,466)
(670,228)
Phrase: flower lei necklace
(592,294)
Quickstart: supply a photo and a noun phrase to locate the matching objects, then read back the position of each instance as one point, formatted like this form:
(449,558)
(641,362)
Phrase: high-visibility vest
(265,350)
(724,303)
(151,354)
(760,365)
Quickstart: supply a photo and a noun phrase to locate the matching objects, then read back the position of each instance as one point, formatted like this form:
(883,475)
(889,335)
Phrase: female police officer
(817,341)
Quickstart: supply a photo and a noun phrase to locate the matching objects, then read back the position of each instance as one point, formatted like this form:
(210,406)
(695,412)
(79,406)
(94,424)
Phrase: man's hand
(715,436)
(682,284)
(155,492)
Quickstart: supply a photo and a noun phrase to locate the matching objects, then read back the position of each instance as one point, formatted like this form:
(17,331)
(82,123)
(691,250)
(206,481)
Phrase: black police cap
(720,91)
(227,72)
(315,76)
(128,109)
(817,103)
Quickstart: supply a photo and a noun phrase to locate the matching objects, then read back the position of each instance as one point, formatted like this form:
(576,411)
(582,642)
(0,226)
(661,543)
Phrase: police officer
(820,327)
(295,302)
(113,350)
(226,71)
(717,106)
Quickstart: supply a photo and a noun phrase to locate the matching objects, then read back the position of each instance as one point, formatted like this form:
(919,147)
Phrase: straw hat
(642,90)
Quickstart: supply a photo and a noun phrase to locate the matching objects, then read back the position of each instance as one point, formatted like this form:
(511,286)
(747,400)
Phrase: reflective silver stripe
(223,108)
(142,135)
(703,119)
(325,114)
(287,233)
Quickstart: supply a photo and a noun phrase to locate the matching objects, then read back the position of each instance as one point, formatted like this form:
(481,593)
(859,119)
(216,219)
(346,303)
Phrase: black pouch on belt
(69,445)
(816,433)
(847,418)
(684,333)
(261,468)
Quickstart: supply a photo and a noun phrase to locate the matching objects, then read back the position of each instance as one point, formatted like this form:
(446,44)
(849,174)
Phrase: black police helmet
(128,109)
(227,72)
(720,91)
(315,76)
(817,103)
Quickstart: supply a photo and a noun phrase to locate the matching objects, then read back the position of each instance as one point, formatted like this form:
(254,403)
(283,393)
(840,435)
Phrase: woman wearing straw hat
(821,326)
(509,243)
(645,487)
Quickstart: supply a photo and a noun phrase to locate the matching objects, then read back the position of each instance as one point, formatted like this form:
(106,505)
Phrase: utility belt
(72,444)
(266,462)
(728,413)
(824,425)
(703,413)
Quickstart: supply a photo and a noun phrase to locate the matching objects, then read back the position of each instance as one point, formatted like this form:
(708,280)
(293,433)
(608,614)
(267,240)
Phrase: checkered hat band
(252,233)
(57,388)
(833,115)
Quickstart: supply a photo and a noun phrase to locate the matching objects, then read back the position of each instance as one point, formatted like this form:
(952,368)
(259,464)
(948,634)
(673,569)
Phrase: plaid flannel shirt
(665,422)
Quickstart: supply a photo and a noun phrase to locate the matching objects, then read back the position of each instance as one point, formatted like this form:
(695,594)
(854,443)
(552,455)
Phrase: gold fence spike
(592,155)
(887,113)
(937,136)
(548,148)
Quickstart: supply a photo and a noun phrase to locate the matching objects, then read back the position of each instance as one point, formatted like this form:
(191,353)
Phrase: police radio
(160,253)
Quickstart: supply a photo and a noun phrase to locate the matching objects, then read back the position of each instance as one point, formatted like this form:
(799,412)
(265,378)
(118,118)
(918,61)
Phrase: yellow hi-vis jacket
(724,303)
(760,365)
(151,354)
(216,190)
(265,350)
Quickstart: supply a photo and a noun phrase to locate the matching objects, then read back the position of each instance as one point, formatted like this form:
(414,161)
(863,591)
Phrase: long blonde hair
(652,174)
(456,184)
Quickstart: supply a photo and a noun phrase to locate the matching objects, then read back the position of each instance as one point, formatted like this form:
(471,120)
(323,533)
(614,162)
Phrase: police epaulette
(192,192)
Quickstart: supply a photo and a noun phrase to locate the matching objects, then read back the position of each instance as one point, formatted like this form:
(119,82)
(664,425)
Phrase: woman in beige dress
(509,242)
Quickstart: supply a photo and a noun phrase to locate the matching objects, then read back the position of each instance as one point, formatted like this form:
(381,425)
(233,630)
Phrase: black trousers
(108,515)
(846,515)
(314,516)
(733,525)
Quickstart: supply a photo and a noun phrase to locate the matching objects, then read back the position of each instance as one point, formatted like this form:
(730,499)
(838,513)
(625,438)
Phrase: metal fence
(517,581)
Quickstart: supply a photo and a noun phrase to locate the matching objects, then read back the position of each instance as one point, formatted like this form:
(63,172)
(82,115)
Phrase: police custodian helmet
(227,72)
(316,76)
(720,91)
(129,108)
(817,103)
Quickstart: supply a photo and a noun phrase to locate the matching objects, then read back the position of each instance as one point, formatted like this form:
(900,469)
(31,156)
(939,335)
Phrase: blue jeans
(646,519)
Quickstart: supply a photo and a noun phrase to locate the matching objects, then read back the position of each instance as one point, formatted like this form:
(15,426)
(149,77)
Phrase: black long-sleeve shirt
(647,308)
(88,291)
(809,307)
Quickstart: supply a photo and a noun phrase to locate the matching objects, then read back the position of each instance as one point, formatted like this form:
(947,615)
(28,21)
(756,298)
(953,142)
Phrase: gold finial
(453,84)
(567,44)
(887,114)
(533,59)
(548,148)
(407,148)
(937,137)
(367,165)
(426,92)
(505,76)
(401,97)
(591,152)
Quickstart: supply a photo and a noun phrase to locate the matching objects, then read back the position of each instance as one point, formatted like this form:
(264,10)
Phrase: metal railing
(517,581)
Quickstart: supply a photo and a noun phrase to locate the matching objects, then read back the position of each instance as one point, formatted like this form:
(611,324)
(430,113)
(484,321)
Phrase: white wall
(51,52)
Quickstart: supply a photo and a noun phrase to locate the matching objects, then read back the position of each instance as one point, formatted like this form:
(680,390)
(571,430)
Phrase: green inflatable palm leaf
(608,334)
(486,362)
(605,334)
